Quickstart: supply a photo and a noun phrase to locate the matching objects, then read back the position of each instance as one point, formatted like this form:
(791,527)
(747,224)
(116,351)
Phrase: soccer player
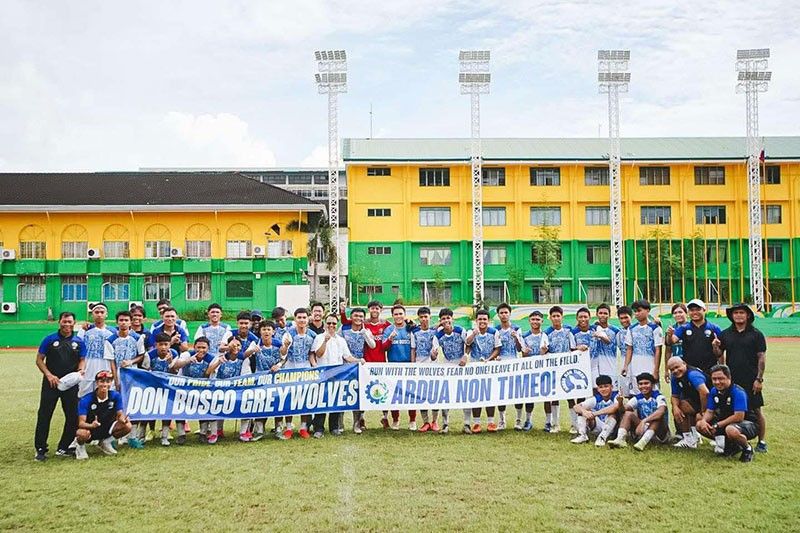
(162,305)
(59,355)
(169,325)
(100,417)
(229,365)
(728,418)
(483,344)
(744,349)
(452,342)
(560,340)
(534,342)
(603,347)
(689,395)
(248,339)
(214,330)
(296,348)
(697,337)
(359,339)
(624,315)
(398,343)
(256,316)
(680,316)
(598,414)
(268,359)
(97,358)
(643,342)
(425,344)
(128,350)
(161,359)
(583,335)
(137,326)
(317,321)
(511,344)
(194,364)
(645,416)
(279,318)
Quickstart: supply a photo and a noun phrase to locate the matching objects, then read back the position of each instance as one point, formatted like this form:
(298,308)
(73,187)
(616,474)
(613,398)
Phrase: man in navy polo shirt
(697,337)
(689,397)
(60,354)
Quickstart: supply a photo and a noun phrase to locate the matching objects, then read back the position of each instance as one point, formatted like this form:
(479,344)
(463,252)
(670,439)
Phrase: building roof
(564,149)
(142,191)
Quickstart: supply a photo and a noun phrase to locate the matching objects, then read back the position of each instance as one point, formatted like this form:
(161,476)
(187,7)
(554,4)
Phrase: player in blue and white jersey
(229,365)
(162,359)
(582,332)
(452,351)
(358,339)
(645,416)
(598,414)
(247,338)
(644,342)
(162,305)
(483,344)
(214,330)
(425,344)
(511,344)
(561,340)
(296,346)
(101,417)
(195,364)
(534,342)
(398,343)
(279,318)
(126,346)
(268,359)
(603,347)
(94,337)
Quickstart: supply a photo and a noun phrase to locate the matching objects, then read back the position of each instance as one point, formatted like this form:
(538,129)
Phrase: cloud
(317,158)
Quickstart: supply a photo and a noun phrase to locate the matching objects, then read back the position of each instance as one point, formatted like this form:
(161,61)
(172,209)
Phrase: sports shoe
(412,426)
(527,426)
(385,422)
(600,442)
(337,432)
(220,434)
(476,428)
(80,452)
(747,455)
(122,441)
(165,441)
(618,443)
(286,434)
(580,439)
(41,456)
(435,427)
(640,445)
(395,425)
(502,425)
(547,427)
(212,439)
(106,446)
(466,430)
(257,436)
(555,429)
(362,423)
(573,430)
(135,443)
(686,443)
(246,436)
(491,427)
(357,428)
(445,430)
(181,440)
(719,450)
(69,452)
(425,428)
(304,434)
(317,434)
(761,447)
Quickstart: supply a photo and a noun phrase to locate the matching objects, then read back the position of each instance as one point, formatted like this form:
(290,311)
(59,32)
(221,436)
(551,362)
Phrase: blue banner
(160,396)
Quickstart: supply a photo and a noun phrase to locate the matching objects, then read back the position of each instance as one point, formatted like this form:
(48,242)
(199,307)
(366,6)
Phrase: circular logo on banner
(377,392)
(574,379)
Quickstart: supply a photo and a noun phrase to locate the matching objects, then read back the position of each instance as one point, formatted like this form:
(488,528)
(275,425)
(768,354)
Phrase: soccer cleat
(747,455)
(181,440)
(257,436)
(212,439)
(80,452)
(491,427)
(761,447)
(573,430)
(518,425)
(202,437)
(719,450)
(41,456)
(106,446)
(445,430)
(362,423)
(580,439)
(337,432)
(502,425)
(385,422)
(527,426)
(466,430)
(425,428)
(318,434)
(246,436)
(640,445)
(287,434)
(165,441)
(357,429)
(476,428)
(69,452)
(220,434)
(122,441)
(618,443)
(395,425)
(555,429)
(412,426)
(686,443)
(304,434)
(135,443)
(600,442)
(547,427)
(435,427)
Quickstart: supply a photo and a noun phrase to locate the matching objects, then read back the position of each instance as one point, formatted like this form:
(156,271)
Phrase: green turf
(400,481)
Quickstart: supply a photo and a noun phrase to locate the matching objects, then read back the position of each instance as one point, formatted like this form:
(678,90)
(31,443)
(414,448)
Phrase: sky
(112,85)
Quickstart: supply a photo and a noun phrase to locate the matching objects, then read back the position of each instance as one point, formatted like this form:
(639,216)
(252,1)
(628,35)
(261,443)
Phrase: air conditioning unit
(89,305)
(176,252)
(8,253)
(93,253)
(259,250)
(8,308)
(133,304)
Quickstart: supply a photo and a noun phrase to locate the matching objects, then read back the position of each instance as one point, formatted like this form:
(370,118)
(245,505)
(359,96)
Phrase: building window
(116,288)
(198,287)
(771,214)
(300,179)
(652,215)
(239,288)
(379,250)
(370,289)
(597,216)
(595,175)
(198,249)
(73,288)
(156,288)
(493,293)
(536,260)
(709,175)
(379,171)
(116,249)
(494,216)
(442,295)
(239,249)
(494,255)
(545,176)
(32,289)
(773,175)
(434,216)
(493,177)
(716,253)
(322,255)
(379,212)
(709,214)
(553,295)
(598,293)
(274,179)
(74,249)
(434,177)
(281,248)
(32,243)
(434,256)
(773,252)
(157,249)
(598,254)
(545,216)
(654,176)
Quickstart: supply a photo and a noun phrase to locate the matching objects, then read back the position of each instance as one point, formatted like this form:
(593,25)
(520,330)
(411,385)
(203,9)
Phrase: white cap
(69,381)
(696,302)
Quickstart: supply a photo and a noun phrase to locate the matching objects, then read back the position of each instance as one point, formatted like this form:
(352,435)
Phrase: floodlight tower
(613,78)
(332,80)
(753,79)
(474,78)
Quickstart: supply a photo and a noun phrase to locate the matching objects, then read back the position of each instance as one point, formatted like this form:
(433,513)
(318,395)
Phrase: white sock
(720,441)
(445,417)
(243,425)
(580,424)
(647,436)
(556,414)
(548,418)
(467,416)
(695,433)
(303,425)
(621,434)
(528,416)
(425,417)
(165,431)
(490,419)
(611,423)
(574,417)
(259,426)
(519,413)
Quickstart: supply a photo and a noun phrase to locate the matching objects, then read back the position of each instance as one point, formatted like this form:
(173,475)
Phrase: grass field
(401,481)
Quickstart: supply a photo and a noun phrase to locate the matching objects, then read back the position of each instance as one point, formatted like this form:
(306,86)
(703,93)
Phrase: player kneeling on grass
(598,414)
(100,417)
(645,416)
(728,419)
(689,397)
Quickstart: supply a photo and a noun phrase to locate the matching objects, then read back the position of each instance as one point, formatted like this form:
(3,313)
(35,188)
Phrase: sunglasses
(331,323)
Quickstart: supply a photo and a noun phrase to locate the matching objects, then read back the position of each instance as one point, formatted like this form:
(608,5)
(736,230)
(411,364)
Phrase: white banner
(411,386)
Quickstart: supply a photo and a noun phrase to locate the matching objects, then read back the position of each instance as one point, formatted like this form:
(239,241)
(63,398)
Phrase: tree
(516,280)
(547,254)
(439,285)
(320,240)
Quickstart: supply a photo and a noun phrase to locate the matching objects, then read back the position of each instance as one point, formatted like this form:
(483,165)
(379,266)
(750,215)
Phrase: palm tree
(320,237)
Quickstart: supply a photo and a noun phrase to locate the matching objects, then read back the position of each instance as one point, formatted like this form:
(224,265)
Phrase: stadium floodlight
(331,79)
(613,78)
(754,78)
(474,79)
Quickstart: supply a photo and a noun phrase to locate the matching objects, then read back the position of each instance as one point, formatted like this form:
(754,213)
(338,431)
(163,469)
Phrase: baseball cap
(69,381)
(697,302)
(103,374)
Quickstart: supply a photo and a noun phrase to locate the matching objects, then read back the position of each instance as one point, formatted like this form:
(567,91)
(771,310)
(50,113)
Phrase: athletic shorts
(102,432)
(745,427)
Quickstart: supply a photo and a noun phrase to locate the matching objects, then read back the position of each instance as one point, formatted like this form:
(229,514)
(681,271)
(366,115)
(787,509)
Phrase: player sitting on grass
(728,419)
(100,417)
(534,342)
(689,397)
(194,364)
(645,416)
(483,344)
(598,414)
